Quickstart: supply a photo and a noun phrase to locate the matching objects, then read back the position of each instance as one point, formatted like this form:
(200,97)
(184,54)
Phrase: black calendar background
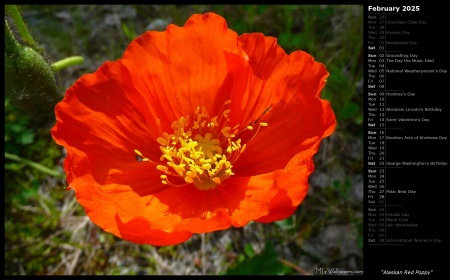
(427,208)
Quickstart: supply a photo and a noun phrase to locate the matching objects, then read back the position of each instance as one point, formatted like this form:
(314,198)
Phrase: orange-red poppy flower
(195,129)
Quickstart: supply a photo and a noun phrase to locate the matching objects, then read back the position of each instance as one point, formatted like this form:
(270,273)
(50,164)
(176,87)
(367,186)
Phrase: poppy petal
(171,73)
(292,188)
(237,202)
(100,130)
(139,231)
(95,119)
(267,63)
(293,84)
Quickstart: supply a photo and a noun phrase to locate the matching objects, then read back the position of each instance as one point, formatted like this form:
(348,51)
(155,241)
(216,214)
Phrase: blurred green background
(47,231)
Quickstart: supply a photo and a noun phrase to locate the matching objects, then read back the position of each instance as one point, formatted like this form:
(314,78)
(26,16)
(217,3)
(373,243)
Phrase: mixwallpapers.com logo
(334,271)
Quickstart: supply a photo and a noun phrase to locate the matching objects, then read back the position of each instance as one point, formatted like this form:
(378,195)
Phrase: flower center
(201,153)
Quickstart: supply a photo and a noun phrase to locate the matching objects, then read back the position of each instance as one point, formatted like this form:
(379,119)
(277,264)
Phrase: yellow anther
(225,113)
(216,180)
(162,168)
(206,166)
(243,148)
(225,131)
(249,127)
(191,174)
(263,124)
(162,141)
(166,156)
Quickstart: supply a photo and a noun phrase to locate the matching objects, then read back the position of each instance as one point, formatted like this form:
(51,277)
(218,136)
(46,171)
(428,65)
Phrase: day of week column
(375,131)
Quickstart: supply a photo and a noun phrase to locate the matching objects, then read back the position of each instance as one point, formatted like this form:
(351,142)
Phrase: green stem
(11,45)
(33,164)
(21,27)
(66,62)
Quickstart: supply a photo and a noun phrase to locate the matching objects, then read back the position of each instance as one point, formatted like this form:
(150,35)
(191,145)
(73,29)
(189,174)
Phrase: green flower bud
(29,80)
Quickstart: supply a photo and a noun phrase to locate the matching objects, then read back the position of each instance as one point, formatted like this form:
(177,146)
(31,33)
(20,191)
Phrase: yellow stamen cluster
(194,152)
(201,153)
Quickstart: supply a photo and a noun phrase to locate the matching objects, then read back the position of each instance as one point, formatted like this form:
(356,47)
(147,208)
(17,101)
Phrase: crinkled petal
(139,230)
(100,130)
(293,186)
(257,78)
(291,86)
(97,120)
(170,73)
(235,203)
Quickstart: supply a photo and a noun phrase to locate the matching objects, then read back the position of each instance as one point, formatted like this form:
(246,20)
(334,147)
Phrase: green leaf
(248,249)
(349,110)
(286,224)
(26,137)
(265,263)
